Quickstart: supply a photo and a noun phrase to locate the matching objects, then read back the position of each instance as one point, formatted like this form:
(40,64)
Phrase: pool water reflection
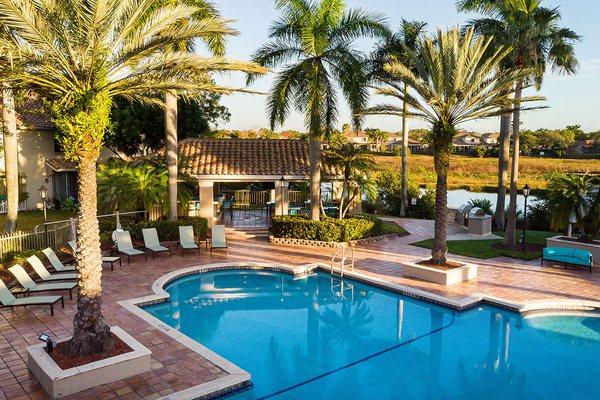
(317,337)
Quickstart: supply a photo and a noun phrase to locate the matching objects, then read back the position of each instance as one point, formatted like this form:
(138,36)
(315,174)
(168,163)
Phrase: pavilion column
(206,198)
(281,197)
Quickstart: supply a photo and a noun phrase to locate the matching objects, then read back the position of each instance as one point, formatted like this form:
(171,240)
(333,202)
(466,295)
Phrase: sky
(570,99)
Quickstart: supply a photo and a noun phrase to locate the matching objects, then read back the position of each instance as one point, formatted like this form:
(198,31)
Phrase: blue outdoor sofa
(568,256)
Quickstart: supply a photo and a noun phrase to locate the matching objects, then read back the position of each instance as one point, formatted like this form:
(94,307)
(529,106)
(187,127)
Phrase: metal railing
(344,252)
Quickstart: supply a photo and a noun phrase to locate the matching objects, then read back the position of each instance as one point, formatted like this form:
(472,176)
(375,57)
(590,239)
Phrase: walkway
(174,368)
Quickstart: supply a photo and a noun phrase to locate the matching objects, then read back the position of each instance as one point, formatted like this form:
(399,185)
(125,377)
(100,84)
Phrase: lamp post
(526,191)
(43,192)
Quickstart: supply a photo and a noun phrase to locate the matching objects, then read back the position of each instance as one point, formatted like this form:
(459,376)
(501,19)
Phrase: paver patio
(174,368)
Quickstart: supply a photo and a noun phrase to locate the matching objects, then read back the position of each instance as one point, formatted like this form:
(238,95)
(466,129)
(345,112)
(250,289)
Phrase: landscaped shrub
(168,230)
(326,230)
(538,216)
(390,195)
(484,204)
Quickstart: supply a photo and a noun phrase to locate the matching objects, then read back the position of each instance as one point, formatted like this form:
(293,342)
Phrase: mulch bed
(529,247)
(66,360)
(448,265)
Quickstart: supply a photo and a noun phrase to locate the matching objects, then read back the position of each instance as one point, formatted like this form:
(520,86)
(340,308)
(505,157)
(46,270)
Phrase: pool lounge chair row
(59,282)
(152,242)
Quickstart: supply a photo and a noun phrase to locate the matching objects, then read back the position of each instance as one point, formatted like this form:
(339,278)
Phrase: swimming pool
(318,337)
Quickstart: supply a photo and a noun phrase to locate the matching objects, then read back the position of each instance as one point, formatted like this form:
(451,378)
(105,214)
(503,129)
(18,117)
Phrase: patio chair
(152,243)
(9,300)
(110,259)
(29,286)
(46,276)
(218,239)
(186,239)
(125,246)
(55,261)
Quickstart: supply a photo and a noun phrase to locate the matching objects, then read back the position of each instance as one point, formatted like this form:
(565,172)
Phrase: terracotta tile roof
(259,157)
(60,164)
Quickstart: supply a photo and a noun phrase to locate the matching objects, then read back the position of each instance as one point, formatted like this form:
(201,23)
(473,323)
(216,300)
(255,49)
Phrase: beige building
(41,160)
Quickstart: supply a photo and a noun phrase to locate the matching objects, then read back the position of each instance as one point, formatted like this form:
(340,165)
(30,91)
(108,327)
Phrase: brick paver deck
(174,368)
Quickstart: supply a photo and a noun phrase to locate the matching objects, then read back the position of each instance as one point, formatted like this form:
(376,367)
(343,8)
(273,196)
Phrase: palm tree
(457,80)
(573,197)
(394,48)
(98,50)
(214,39)
(313,43)
(9,60)
(537,40)
(356,166)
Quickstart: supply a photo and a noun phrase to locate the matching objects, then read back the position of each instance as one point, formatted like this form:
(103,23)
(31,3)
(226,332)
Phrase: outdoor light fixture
(526,191)
(43,192)
(49,343)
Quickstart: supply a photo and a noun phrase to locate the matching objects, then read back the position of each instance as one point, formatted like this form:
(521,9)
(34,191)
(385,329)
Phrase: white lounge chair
(152,243)
(218,239)
(8,300)
(46,276)
(29,286)
(125,246)
(110,259)
(186,239)
(55,261)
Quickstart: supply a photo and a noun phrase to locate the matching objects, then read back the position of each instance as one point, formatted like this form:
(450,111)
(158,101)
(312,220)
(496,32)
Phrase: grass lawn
(390,227)
(483,248)
(27,220)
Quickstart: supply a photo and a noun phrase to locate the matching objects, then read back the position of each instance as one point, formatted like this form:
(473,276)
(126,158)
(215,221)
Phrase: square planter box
(558,241)
(449,277)
(59,382)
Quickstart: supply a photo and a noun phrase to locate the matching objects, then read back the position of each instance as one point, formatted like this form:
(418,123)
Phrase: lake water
(456,198)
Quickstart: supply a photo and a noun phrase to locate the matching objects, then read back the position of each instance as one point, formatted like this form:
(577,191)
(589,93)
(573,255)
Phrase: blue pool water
(317,337)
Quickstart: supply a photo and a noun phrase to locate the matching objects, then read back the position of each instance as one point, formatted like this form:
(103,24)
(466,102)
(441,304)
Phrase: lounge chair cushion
(124,244)
(151,240)
(186,237)
(218,239)
(55,261)
(7,298)
(43,273)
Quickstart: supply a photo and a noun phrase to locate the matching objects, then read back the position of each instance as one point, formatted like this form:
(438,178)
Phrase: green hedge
(327,229)
(167,230)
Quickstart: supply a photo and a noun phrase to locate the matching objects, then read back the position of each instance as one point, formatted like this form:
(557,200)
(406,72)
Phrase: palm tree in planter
(356,166)
(457,80)
(79,55)
(536,40)
(395,48)
(313,42)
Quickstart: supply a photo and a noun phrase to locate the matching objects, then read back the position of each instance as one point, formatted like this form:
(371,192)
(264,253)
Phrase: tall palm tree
(9,60)
(537,40)
(214,39)
(313,42)
(355,165)
(394,48)
(457,80)
(79,55)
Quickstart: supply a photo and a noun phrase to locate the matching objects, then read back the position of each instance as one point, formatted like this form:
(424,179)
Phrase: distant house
(580,147)
(415,146)
(41,159)
(466,142)
(362,140)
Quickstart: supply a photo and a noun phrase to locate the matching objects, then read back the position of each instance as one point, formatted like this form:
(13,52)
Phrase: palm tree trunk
(11,157)
(441,155)
(511,226)
(503,158)
(171,151)
(404,197)
(90,332)
(314,150)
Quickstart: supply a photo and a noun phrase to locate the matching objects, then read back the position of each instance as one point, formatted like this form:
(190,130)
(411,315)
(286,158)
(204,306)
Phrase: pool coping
(238,378)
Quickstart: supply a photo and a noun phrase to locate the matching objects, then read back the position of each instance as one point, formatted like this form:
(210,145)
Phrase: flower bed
(327,229)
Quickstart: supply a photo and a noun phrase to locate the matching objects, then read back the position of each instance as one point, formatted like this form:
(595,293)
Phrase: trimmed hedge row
(167,230)
(327,229)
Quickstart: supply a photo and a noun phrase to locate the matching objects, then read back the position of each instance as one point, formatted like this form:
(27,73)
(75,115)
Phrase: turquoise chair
(568,256)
